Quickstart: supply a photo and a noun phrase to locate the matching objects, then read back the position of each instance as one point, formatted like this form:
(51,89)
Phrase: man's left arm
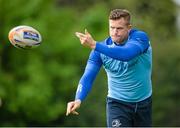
(137,44)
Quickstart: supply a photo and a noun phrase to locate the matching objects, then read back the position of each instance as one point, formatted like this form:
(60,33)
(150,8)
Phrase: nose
(115,31)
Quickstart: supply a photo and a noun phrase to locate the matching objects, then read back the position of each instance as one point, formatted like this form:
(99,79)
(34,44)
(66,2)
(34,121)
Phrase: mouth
(116,37)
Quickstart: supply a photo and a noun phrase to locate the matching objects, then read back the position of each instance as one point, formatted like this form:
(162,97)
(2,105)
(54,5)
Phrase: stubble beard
(118,40)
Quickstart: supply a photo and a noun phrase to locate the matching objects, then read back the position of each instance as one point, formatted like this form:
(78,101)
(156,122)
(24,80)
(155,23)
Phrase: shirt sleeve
(136,44)
(92,68)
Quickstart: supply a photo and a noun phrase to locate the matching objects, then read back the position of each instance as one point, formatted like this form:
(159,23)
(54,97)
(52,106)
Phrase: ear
(129,26)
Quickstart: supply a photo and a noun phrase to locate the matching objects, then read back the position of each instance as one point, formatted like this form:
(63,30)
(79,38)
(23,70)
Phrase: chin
(117,41)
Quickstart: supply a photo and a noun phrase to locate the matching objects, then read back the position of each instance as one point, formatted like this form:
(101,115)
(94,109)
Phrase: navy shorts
(129,114)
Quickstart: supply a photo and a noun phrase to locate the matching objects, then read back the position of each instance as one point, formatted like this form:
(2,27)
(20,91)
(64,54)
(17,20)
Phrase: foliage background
(36,85)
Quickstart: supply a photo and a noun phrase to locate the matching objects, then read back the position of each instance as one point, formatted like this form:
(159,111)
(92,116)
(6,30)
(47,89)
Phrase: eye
(112,27)
(119,28)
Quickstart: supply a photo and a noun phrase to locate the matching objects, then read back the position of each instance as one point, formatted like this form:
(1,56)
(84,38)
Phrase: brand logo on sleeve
(79,88)
(116,123)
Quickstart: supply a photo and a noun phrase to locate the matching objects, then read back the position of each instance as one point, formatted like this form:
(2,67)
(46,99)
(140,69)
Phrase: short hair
(120,13)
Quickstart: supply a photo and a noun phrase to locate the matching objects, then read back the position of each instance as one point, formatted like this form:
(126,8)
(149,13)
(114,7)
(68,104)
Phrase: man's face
(119,30)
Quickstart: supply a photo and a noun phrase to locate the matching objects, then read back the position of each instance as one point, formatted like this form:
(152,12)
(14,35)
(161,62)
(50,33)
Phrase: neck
(121,43)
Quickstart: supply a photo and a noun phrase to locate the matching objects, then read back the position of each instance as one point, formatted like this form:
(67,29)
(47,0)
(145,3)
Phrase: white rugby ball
(24,37)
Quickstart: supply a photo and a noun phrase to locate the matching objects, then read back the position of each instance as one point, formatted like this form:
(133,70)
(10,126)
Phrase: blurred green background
(35,85)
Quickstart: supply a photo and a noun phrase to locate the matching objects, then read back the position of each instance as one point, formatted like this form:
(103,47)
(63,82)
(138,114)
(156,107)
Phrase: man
(127,59)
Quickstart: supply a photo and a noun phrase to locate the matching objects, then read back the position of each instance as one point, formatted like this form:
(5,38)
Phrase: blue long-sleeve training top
(128,67)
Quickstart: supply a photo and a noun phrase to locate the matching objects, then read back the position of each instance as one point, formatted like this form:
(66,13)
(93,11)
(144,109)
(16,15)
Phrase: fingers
(87,33)
(75,113)
(80,35)
(76,105)
(86,39)
(72,106)
(69,106)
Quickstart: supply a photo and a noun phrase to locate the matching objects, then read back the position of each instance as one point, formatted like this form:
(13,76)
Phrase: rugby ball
(24,37)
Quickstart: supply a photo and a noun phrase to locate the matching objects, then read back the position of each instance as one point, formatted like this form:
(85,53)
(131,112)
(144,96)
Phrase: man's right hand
(86,39)
(72,106)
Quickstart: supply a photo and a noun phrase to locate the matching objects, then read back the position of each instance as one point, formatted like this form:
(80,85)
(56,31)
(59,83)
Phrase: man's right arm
(85,84)
(92,68)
